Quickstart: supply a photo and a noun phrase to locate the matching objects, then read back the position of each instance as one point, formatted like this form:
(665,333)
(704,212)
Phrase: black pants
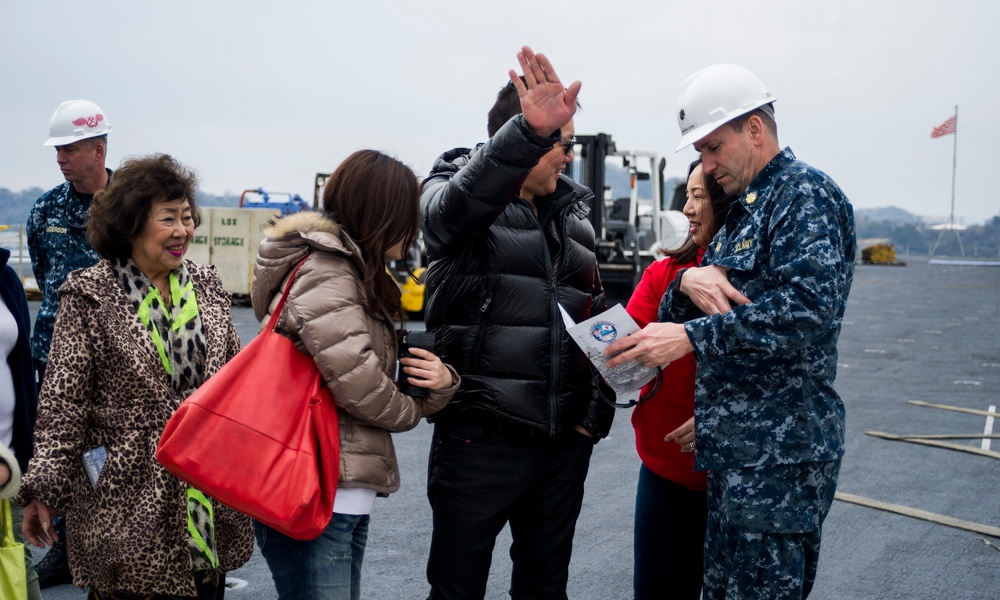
(481,477)
(669,539)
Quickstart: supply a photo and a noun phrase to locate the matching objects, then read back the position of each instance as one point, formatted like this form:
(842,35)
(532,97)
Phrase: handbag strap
(273,321)
(8,523)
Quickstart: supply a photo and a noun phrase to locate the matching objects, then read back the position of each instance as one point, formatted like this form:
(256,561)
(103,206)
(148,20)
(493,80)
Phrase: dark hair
(376,200)
(721,202)
(119,213)
(767,117)
(507,105)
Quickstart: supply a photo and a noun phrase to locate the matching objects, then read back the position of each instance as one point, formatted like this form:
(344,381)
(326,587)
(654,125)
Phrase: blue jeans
(669,539)
(326,568)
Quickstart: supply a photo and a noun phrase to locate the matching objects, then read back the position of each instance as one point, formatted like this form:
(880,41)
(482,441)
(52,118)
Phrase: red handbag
(261,435)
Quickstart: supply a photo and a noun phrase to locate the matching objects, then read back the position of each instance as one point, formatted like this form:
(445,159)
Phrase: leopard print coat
(105,385)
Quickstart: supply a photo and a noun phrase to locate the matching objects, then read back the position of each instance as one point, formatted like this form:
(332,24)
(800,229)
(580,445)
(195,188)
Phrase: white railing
(13,238)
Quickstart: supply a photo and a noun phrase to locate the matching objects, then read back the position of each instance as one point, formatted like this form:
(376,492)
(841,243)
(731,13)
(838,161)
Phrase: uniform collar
(764,180)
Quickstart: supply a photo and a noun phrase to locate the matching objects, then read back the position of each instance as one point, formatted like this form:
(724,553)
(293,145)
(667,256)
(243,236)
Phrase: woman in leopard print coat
(135,334)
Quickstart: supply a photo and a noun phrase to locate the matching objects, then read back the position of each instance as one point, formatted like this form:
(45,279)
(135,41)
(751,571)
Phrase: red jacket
(673,404)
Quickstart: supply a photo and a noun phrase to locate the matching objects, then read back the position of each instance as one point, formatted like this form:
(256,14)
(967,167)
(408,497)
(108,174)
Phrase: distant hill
(15,206)
(887,214)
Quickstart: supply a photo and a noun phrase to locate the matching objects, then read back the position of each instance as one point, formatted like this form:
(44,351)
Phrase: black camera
(407,340)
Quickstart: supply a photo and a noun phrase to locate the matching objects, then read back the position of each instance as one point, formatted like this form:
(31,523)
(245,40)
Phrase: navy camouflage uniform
(57,241)
(769,424)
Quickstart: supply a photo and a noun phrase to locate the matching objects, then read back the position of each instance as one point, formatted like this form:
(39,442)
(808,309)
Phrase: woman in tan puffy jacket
(342,309)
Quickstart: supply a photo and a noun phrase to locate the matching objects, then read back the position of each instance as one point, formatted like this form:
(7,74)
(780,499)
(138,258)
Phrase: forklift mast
(631,225)
(594,149)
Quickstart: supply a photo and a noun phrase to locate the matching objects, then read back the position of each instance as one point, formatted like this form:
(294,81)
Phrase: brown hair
(376,200)
(721,202)
(119,213)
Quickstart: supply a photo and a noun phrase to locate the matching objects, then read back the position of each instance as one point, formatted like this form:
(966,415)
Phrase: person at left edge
(136,334)
(18,400)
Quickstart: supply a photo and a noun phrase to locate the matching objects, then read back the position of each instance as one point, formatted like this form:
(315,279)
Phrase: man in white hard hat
(762,317)
(57,241)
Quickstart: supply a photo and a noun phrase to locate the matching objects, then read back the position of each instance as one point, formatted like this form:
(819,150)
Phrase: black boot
(54,568)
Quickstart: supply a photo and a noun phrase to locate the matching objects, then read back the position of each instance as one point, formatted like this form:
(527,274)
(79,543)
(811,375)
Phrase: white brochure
(595,334)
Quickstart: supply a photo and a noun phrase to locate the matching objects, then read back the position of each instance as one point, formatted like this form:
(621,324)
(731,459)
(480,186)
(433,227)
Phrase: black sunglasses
(567,145)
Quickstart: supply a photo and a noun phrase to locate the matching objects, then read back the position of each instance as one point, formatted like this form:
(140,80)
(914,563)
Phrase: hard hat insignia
(89,121)
(680,115)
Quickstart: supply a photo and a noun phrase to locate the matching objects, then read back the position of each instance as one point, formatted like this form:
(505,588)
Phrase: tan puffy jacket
(355,351)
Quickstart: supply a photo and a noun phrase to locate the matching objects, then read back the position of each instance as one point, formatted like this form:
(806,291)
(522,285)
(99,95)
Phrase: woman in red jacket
(670,497)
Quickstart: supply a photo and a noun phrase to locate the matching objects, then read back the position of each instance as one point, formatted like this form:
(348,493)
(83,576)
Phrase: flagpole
(954,167)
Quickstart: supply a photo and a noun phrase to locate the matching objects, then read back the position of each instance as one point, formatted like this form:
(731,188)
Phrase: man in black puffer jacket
(508,242)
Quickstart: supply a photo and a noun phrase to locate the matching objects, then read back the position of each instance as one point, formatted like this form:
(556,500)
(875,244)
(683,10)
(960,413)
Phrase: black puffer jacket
(496,277)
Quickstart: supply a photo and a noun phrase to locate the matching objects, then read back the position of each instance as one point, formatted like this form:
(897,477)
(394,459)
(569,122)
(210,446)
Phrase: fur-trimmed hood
(302,222)
(290,235)
(288,240)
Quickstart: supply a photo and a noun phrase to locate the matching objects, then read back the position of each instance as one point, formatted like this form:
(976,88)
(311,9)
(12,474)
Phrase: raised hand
(547,104)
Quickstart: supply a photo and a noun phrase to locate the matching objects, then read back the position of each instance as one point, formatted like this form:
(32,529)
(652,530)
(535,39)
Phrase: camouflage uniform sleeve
(807,259)
(34,230)
(676,307)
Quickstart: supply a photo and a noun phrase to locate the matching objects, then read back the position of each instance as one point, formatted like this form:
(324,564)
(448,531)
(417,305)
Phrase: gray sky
(252,94)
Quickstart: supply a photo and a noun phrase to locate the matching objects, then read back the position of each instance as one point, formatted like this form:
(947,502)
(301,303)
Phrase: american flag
(946,128)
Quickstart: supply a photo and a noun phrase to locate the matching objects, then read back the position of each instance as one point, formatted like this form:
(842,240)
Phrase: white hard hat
(76,120)
(716,95)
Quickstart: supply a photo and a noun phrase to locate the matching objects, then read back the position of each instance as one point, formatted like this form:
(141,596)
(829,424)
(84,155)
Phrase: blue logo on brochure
(604,331)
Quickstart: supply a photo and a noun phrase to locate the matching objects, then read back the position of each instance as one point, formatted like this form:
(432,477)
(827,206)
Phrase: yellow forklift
(879,251)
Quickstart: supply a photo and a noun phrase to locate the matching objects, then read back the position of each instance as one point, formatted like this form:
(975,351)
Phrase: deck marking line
(989,428)
(919,514)
(950,436)
(935,443)
(971,411)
